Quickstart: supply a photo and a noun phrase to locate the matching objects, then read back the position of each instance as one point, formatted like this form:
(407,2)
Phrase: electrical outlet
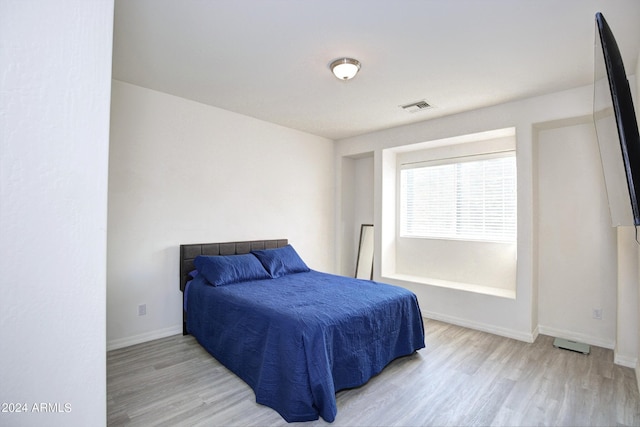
(597,313)
(142,310)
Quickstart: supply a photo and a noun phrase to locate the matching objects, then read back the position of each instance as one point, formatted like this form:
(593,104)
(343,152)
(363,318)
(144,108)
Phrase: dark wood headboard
(189,252)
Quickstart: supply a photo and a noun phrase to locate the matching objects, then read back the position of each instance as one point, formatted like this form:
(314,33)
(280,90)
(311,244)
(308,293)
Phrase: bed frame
(190,251)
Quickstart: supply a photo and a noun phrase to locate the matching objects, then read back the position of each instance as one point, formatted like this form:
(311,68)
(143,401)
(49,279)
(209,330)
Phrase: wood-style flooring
(462,378)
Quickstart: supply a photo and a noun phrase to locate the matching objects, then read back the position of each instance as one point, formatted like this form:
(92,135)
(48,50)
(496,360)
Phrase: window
(465,198)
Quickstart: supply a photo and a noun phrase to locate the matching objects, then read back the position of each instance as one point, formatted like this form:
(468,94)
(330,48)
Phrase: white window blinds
(470,198)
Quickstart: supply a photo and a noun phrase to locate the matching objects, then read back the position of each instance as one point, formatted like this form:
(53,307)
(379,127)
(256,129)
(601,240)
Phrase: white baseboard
(575,336)
(535,333)
(492,329)
(619,359)
(625,360)
(138,339)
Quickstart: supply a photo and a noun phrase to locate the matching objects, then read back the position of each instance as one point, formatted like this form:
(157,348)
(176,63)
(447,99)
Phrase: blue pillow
(224,270)
(281,261)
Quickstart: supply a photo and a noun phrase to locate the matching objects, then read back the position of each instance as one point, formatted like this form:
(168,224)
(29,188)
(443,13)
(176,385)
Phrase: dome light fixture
(345,68)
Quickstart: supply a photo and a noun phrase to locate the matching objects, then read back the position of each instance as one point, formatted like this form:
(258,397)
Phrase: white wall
(517,317)
(626,348)
(486,264)
(363,198)
(355,208)
(577,253)
(184,172)
(54,119)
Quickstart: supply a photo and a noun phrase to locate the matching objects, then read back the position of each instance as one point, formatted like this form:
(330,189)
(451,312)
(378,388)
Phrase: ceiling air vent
(416,106)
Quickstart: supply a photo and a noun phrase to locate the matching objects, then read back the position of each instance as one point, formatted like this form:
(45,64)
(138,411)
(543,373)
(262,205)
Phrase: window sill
(468,287)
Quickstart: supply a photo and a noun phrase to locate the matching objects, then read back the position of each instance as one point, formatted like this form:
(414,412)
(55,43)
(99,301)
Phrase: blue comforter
(298,339)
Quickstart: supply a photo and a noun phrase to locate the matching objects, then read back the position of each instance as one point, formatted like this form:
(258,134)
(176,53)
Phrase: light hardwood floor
(462,378)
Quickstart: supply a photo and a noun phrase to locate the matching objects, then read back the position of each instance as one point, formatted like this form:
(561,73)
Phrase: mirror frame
(364,262)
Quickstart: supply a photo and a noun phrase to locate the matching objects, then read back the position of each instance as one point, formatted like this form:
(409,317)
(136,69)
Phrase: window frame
(511,236)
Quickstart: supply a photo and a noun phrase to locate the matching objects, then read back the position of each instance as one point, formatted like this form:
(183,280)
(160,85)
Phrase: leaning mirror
(364,262)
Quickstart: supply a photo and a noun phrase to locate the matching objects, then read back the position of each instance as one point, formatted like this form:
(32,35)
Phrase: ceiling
(269,59)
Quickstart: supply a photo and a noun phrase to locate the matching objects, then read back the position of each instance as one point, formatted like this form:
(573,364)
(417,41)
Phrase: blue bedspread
(298,339)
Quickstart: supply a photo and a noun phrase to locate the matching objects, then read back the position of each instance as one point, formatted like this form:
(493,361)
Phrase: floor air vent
(571,345)
(416,106)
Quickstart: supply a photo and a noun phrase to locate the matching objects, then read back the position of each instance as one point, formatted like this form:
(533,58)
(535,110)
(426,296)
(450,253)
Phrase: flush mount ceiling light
(345,68)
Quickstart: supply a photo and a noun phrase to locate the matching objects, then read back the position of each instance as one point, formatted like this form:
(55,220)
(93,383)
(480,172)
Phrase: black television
(614,114)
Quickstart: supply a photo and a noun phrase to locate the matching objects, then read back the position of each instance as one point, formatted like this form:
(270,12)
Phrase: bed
(296,336)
